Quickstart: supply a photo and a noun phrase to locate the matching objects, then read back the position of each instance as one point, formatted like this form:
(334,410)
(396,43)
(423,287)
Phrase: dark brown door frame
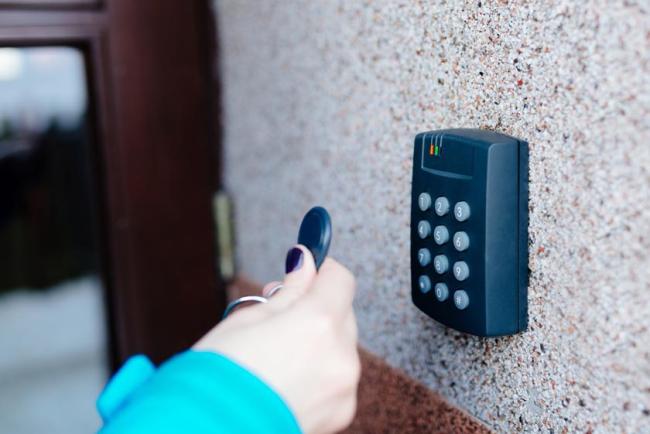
(162,91)
(153,100)
(51,4)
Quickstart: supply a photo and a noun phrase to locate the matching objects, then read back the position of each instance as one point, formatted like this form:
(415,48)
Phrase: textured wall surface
(322,101)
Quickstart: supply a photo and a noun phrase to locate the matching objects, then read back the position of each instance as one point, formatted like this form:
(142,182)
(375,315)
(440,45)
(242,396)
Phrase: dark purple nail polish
(294,260)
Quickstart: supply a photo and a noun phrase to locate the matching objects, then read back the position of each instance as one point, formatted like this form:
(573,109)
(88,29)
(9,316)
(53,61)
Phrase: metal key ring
(251,298)
(273,290)
(241,300)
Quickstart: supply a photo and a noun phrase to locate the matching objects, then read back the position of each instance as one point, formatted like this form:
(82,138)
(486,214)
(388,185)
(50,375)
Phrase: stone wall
(322,101)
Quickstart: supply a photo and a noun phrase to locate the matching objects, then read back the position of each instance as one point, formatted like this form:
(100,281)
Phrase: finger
(301,273)
(333,289)
(350,329)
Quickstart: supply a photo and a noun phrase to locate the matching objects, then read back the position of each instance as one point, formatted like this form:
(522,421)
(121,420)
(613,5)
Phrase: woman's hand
(303,342)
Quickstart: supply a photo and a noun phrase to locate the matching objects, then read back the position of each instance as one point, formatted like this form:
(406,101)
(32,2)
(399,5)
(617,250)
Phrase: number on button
(461,270)
(461,241)
(442,206)
(440,264)
(461,211)
(442,292)
(424,201)
(424,229)
(441,235)
(424,257)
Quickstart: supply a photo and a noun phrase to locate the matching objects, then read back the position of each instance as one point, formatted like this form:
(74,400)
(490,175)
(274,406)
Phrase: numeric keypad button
(424,229)
(462,211)
(440,235)
(424,257)
(441,291)
(424,201)
(441,206)
(461,299)
(424,283)
(461,241)
(441,264)
(461,270)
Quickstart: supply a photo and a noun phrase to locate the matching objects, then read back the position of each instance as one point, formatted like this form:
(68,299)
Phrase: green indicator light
(437,151)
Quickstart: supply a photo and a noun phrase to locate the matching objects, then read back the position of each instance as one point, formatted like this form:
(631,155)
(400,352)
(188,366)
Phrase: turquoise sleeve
(194,392)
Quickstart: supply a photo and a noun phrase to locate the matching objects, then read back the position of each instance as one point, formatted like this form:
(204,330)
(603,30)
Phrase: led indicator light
(435,149)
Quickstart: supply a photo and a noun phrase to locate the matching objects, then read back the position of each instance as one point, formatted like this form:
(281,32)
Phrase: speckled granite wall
(322,101)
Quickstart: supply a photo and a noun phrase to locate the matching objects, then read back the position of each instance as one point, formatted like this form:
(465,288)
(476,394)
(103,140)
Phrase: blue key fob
(316,233)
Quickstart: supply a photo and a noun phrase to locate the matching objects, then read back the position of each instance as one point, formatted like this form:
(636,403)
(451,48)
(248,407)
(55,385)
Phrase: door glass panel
(52,325)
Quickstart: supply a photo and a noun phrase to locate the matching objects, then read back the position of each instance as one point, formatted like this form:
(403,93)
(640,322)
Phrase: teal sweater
(195,393)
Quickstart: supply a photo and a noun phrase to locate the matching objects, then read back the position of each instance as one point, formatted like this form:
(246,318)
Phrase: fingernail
(294,260)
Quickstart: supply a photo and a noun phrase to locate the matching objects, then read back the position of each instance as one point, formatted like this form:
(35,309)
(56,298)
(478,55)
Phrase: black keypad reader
(469,230)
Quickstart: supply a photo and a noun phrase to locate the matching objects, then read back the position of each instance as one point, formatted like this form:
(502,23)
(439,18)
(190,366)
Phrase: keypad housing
(487,174)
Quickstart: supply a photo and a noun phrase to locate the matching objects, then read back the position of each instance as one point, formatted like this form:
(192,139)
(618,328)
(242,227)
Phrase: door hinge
(224,233)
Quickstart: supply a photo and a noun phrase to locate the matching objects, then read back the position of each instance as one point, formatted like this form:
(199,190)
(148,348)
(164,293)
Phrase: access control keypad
(440,237)
(469,230)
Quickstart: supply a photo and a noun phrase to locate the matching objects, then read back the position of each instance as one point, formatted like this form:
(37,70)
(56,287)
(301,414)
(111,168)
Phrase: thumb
(301,272)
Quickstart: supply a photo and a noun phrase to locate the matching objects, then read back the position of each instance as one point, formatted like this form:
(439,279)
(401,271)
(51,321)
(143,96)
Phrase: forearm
(197,392)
